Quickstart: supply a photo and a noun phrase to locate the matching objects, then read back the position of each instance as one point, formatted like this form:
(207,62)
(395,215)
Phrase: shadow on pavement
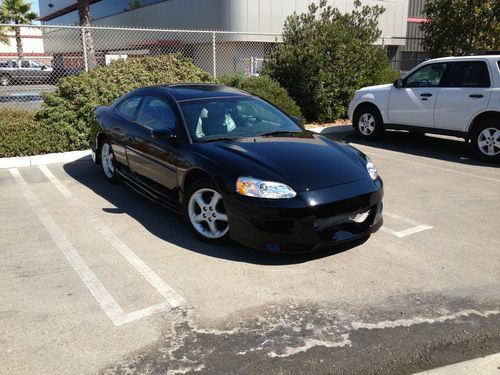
(170,226)
(450,149)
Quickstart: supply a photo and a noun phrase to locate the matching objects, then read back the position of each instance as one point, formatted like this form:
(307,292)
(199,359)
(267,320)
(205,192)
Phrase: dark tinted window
(155,113)
(128,107)
(4,64)
(468,74)
(25,64)
(427,76)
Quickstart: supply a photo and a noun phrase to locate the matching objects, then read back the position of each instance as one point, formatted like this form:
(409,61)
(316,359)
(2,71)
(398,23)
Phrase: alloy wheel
(488,141)
(366,124)
(207,213)
(107,160)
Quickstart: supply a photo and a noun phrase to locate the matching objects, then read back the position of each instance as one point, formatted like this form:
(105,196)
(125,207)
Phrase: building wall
(32,42)
(262,16)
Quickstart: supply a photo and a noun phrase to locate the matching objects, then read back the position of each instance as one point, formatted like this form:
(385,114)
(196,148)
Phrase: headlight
(252,187)
(372,169)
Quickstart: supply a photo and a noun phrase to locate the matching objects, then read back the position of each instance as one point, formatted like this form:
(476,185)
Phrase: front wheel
(368,123)
(205,212)
(486,140)
(108,162)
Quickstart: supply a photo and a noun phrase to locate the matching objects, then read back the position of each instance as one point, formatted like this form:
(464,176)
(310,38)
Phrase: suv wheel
(368,123)
(205,212)
(486,140)
(4,80)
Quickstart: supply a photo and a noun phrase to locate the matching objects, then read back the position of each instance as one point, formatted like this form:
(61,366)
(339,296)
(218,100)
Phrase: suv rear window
(468,74)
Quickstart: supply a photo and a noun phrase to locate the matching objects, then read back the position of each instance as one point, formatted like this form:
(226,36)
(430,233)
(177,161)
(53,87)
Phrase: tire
(207,218)
(368,123)
(5,80)
(486,140)
(108,162)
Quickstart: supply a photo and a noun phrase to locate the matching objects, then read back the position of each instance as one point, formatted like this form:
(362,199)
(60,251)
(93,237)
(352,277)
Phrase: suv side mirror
(296,119)
(398,83)
(163,133)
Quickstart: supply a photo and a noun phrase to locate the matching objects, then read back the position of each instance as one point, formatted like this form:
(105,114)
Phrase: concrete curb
(483,365)
(59,157)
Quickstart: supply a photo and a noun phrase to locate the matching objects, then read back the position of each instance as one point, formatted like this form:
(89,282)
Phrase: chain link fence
(34,61)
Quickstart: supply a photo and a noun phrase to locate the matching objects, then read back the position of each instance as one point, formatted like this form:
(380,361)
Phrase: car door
(37,71)
(25,71)
(154,157)
(122,125)
(413,104)
(466,91)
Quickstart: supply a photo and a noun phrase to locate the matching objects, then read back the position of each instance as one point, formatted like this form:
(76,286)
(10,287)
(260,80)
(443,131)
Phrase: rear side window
(25,64)
(128,107)
(468,74)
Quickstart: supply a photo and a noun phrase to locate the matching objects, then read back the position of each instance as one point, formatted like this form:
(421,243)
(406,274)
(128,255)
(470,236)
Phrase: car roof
(193,91)
(470,57)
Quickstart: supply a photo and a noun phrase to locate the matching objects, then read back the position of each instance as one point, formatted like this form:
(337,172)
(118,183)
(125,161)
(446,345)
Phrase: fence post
(214,50)
(84,46)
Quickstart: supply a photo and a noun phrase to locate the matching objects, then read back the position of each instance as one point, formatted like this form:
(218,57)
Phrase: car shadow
(445,148)
(170,227)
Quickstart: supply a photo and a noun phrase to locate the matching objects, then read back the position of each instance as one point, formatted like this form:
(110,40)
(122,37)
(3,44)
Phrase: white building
(32,43)
(255,18)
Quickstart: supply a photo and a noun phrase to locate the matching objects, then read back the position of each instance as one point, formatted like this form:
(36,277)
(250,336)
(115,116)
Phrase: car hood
(385,87)
(305,161)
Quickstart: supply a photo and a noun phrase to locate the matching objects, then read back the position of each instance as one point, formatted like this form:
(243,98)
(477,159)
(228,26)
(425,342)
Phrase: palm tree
(17,12)
(84,13)
(4,38)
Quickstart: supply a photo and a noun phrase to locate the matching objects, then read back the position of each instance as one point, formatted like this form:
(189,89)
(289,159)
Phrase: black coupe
(238,167)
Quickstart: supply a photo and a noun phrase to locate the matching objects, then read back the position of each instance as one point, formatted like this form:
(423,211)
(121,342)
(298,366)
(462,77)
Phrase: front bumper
(311,221)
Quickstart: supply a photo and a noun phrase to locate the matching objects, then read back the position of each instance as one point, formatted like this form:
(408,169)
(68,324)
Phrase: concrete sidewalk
(479,366)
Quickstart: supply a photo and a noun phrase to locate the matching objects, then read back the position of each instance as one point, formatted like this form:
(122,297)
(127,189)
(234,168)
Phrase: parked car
(24,71)
(236,166)
(458,96)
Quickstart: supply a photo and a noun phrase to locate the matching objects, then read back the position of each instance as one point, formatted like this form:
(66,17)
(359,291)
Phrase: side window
(25,64)
(128,107)
(35,65)
(468,74)
(156,113)
(427,76)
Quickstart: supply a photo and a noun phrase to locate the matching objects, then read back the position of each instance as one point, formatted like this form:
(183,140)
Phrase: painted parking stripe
(417,227)
(102,296)
(173,298)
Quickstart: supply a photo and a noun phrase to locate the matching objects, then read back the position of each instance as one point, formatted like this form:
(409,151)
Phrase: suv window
(155,113)
(468,74)
(129,106)
(25,64)
(36,65)
(427,76)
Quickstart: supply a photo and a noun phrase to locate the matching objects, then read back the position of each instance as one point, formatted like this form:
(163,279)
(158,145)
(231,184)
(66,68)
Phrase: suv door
(466,91)
(150,157)
(413,104)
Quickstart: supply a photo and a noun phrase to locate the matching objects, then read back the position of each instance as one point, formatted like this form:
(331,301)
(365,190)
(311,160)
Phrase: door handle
(476,96)
(426,94)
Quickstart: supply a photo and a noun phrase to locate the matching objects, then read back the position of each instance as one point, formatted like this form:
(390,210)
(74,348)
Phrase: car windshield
(232,118)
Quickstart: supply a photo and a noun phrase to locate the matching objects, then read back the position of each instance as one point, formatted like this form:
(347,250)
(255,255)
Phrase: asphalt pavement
(97,279)
(28,97)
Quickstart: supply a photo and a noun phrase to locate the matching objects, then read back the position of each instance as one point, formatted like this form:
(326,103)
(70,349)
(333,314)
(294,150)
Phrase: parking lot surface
(27,97)
(97,279)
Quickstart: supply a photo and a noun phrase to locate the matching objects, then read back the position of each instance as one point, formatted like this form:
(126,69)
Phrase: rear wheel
(205,212)
(486,140)
(368,123)
(4,80)
(108,162)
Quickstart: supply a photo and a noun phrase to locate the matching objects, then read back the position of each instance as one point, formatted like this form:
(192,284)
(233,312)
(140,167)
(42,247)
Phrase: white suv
(457,96)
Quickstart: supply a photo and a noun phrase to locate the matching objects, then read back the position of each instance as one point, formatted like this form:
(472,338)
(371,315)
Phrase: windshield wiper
(219,139)
(277,132)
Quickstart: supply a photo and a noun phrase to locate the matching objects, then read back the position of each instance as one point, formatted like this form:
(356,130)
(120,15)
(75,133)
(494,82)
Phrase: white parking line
(152,277)
(102,296)
(417,227)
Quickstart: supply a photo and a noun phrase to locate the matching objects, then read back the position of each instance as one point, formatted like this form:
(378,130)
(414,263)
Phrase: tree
(326,55)
(84,14)
(4,37)
(459,27)
(17,12)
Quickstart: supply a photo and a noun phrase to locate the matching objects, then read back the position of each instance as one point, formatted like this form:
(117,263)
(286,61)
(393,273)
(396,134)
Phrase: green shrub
(69,111)
(22,135)
(326,55)
(266,88)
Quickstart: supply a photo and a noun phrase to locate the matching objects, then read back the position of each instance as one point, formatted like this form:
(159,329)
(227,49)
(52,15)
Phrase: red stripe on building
(417,20)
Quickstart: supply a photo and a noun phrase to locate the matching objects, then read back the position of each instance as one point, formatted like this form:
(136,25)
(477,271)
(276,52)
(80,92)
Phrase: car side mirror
(398,83)
(296,119)
(163,133)
(43,67)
